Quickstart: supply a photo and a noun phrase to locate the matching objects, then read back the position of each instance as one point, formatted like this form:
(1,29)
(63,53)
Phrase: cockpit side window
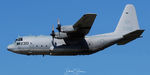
(18,43)
(19,39)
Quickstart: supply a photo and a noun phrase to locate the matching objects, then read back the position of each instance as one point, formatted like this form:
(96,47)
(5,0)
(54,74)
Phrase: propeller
(58,25)
(53,33)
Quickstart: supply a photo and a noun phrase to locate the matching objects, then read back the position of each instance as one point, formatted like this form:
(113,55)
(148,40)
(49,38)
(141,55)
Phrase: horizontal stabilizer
(130,36)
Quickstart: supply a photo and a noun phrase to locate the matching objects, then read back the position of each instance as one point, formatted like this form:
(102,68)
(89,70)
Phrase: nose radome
(10,47)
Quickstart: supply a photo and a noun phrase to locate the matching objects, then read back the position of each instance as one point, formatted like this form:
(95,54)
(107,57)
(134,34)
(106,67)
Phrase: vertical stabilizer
(128,21)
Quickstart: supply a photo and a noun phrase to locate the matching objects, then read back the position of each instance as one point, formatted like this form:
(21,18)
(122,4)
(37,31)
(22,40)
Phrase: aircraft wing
(81,27)
(84,24)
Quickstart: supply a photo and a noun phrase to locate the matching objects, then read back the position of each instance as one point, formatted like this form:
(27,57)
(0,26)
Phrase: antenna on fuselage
(43,55)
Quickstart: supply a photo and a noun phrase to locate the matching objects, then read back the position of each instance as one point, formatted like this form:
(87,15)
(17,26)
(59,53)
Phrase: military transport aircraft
(71,40)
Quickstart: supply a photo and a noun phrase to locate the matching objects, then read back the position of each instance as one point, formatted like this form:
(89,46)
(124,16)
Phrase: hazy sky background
(35,17)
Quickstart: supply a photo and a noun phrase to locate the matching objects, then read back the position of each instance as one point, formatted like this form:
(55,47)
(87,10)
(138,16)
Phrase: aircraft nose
(10,48)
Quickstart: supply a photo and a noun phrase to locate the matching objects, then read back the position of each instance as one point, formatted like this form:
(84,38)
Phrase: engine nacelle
(61,35)
(67,29)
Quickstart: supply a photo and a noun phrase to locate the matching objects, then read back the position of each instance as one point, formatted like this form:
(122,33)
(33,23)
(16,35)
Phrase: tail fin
(128,21)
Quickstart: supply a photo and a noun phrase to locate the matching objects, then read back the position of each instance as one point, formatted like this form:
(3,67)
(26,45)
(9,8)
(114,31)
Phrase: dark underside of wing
(81,28)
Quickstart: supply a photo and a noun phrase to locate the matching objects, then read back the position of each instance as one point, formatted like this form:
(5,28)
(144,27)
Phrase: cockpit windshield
(19,39)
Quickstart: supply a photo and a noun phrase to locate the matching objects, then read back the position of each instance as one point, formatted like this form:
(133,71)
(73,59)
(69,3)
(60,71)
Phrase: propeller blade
(58,21)
(53,33)
(53,27)
(58,25)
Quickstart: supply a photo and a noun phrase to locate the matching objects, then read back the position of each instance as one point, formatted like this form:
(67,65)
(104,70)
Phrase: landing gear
(43,55)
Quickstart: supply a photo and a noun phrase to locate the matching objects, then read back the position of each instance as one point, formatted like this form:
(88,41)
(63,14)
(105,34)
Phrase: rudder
(128,21)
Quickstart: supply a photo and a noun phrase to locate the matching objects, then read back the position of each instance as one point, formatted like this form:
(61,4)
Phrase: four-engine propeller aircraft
(71,40)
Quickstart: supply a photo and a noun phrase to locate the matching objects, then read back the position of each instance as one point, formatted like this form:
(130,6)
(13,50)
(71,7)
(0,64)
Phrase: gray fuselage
(44,45)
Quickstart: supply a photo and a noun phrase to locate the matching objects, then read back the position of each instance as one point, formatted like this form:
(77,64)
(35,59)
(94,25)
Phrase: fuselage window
(26,43)
(46,46)
(41,45)
(36,45)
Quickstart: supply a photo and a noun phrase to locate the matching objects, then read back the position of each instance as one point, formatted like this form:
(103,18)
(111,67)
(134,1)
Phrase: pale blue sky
(35,17)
